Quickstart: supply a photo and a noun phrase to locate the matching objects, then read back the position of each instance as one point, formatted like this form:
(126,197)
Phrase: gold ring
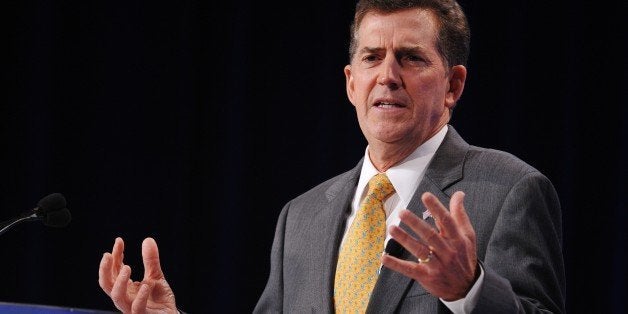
(427,259)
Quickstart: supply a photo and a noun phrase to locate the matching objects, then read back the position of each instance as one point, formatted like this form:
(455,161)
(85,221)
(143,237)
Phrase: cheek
(361,88)
(360,101)
(428,95)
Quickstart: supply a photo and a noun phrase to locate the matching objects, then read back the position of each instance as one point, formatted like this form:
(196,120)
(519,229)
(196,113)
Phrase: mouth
(388,104)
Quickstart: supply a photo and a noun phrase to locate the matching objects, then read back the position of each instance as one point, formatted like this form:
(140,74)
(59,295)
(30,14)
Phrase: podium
(23,308)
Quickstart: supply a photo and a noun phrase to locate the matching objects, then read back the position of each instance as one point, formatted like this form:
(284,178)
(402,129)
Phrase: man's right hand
(151,295)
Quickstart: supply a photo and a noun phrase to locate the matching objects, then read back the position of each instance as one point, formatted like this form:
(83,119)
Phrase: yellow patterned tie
(358,261)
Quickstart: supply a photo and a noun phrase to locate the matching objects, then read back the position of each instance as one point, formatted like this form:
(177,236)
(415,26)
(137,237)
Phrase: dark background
(194,123)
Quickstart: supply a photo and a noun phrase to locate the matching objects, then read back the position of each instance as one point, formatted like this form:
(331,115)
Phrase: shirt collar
(406,175)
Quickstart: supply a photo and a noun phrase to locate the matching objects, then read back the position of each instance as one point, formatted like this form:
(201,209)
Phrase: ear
(457,77)
(349,83)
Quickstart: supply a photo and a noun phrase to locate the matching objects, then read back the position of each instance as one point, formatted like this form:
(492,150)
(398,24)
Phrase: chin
(389,137)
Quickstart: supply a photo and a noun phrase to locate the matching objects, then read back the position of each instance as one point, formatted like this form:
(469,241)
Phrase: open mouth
(386,104)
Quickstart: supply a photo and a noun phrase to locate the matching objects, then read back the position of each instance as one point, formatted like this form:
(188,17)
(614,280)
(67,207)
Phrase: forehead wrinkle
(386,32)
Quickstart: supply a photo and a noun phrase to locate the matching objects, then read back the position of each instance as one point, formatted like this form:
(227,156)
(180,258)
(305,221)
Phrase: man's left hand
(447,265)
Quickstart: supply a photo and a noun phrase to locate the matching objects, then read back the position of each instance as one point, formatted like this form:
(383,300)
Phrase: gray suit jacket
(514,210)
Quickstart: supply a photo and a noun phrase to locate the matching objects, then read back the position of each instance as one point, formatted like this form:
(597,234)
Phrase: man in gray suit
(496,247)
(480,230)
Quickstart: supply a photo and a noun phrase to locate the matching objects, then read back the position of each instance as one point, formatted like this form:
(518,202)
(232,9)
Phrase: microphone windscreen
(57,218)
(52,202)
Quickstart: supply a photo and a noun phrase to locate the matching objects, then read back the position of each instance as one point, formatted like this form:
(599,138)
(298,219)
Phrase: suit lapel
(444,170)
(339,195)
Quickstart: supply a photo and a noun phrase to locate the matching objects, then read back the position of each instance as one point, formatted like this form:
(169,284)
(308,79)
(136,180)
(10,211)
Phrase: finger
(119,292)
(150,256)
(459,214)
(415,247)
(428,235)
(441,215)
(118,255)
(139,304)
(105,280)
(406,268)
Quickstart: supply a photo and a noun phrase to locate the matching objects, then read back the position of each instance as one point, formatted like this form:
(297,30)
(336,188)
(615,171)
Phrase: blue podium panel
(22,308)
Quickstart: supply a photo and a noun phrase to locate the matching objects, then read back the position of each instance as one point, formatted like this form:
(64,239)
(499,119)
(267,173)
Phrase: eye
(370,58)
(413,59)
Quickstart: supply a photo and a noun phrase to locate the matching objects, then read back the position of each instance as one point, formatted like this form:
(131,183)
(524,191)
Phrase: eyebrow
(409,50)
(402,50)
(367,50)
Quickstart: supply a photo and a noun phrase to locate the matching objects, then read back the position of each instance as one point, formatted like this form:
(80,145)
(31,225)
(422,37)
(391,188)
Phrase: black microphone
(51,210)
(393,248)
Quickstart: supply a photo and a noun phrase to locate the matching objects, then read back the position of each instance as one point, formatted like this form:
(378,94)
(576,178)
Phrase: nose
(390,74)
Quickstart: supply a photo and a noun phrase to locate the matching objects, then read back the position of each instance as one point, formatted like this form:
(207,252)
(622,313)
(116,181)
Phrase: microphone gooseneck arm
(10,223)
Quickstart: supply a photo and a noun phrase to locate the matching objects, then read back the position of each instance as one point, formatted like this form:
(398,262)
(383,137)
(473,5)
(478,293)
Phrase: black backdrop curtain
(194,123)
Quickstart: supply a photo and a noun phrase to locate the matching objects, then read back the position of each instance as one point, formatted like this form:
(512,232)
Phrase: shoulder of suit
(331,186)
(497,161)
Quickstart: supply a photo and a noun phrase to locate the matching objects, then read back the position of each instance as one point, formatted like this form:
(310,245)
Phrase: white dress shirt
(405,178)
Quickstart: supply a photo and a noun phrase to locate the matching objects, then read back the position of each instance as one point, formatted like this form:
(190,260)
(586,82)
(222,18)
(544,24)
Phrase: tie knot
(380,187)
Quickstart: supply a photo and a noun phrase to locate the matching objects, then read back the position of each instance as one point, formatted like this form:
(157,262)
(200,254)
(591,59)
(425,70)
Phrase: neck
(386,155)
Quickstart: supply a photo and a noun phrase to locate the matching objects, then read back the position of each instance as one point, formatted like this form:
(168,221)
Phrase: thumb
(459,213)
(150,257)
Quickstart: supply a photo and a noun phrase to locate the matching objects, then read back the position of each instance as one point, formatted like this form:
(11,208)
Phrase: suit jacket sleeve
(524,271)
(271,300)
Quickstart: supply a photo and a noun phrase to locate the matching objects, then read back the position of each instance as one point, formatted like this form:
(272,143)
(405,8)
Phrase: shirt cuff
(467,304)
